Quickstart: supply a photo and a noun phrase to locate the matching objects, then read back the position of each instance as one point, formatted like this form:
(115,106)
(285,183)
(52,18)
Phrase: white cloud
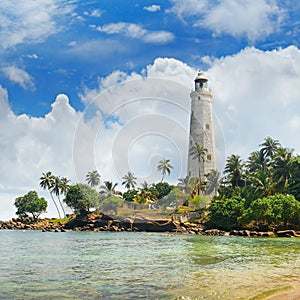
(19,76)
(33,56)
(30,21)
(93,49)
(262,17)
(136,31)
(129,126)
(256,96)
(94,13)
(152,8)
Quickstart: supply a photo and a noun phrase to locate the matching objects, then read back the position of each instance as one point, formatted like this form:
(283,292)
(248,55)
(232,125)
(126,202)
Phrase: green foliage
(111,203)
(273,210)
(224,214)
(161,189)
(294,182)
(81,197)
(173,199)
(129,195)
(145,197)
(199,201)
(30,203)
(183,209)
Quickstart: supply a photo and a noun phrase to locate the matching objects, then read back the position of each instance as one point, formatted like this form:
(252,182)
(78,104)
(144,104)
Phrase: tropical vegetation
(30,203)
(262,191)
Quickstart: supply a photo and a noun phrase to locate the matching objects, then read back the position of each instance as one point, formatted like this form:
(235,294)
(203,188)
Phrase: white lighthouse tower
(201,128)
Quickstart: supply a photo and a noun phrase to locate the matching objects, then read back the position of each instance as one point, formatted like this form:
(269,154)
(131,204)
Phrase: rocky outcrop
(287,233)
(102,222)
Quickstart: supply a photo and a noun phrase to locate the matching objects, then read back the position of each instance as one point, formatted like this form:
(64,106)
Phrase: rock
(266,234)
(159,226)
(214,232)
(287,233)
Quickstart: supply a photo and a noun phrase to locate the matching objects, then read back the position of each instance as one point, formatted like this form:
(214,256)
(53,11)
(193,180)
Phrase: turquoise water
(106,265)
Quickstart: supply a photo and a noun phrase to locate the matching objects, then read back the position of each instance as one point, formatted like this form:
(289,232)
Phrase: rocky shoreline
(103,222)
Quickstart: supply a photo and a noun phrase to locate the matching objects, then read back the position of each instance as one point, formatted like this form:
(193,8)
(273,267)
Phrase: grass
(62,221)
(143,212)
(269,293)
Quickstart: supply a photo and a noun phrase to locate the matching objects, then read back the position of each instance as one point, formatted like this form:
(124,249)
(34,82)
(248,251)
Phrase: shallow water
(105,265)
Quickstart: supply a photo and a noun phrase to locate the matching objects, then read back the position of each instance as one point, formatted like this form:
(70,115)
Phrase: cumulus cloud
(29,21)
(263,17)
(132,120)
(136,31)
(152,8)
(19,76)
(256,96)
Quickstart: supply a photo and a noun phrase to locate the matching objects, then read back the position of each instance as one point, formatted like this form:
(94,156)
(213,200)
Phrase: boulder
(287,233)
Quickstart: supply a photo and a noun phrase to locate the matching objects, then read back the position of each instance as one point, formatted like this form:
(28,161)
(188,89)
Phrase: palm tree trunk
(61,206)
(55,205)
(200,183)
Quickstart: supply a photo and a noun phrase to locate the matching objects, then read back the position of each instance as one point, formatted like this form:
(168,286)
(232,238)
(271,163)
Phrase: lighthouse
(201,128)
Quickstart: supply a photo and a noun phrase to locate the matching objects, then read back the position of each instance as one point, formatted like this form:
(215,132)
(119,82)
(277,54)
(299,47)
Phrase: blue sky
(60,61)
(80,40)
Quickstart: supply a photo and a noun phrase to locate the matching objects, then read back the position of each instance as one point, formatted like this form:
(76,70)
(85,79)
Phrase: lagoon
(139,265)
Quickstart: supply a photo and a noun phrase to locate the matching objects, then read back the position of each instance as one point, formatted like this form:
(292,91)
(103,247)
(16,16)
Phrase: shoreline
(103,222)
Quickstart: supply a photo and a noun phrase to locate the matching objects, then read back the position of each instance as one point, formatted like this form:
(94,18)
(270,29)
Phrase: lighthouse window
(208,157)
(207,126)
(199,98)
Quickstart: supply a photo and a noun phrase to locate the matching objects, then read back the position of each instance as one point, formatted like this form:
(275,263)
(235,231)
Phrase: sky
(104,85)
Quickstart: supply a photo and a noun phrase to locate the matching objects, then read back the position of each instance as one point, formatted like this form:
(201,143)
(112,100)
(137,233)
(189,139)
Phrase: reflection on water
(105,265)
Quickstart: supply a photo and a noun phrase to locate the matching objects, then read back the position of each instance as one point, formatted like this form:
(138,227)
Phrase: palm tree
(256,161)
(263,183)
(47,182)
(269,147)
(184,184)
(93,178)
(198,152)
(164,167)
(129,180)
(234,169)
(64,185)
(56,189)
(109,189)
(282,168)
(212,182)
(145,185)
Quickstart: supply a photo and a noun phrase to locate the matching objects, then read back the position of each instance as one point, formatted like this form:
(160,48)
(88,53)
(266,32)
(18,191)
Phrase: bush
(224,214)
(199,201)
(111,203)
(174,198)
(273,210)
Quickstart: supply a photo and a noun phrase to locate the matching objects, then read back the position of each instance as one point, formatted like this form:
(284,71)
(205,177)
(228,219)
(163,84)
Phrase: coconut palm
(212,185)
(145,185)
(234,169)
(93,178)
(184,184)
(256,161)
(64,185)
(47,182)
(109,189)
(269,147)
(282,168)
(198,152)
(56,189)
(129,180)
(164,167)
